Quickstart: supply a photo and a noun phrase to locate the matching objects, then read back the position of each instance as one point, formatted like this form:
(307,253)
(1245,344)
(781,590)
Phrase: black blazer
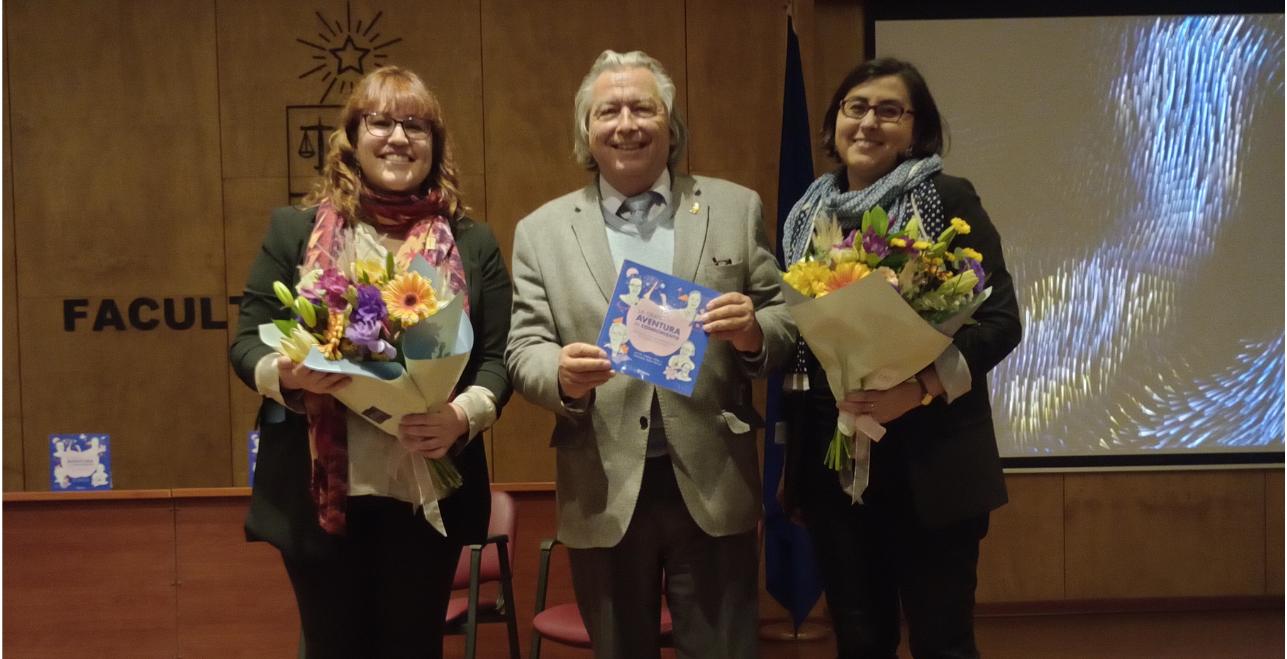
(282,511)
(949,451)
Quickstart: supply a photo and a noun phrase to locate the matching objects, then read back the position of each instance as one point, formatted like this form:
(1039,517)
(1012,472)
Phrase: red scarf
(428,233)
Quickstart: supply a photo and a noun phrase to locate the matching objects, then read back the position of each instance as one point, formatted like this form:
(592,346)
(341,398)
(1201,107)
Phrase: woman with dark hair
(936,475)
(335,494)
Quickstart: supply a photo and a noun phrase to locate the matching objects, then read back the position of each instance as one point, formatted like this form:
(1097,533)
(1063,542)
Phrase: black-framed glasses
(381,125)
(886,113)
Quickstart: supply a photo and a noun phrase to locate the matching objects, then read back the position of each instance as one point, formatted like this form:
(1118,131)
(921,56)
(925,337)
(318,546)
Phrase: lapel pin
(696,207)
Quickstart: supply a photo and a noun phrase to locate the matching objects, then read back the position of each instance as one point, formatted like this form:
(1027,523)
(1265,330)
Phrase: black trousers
(384,592)
(877,555)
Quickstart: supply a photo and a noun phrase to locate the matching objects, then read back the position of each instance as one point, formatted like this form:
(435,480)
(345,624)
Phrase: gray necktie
(635,209)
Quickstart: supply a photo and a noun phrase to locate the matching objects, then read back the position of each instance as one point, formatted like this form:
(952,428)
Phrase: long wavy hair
(387,89)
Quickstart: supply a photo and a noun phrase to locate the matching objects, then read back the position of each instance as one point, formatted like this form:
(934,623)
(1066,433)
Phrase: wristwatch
(926,398)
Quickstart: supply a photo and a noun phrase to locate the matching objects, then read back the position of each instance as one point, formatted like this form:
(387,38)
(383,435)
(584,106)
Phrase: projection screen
(1134,165)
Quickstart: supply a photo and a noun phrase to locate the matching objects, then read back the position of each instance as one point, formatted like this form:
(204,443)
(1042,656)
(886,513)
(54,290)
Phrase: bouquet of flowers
(876,307)
(402,336)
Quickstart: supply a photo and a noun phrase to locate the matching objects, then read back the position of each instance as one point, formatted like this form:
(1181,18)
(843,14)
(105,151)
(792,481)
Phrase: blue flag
(791,570)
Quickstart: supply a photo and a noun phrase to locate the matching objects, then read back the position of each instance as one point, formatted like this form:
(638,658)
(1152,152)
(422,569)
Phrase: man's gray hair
(611,60)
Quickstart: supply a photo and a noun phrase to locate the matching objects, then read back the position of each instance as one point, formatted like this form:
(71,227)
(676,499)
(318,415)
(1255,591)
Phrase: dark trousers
(711,583)
(877,555)
(383,593)
(873,557)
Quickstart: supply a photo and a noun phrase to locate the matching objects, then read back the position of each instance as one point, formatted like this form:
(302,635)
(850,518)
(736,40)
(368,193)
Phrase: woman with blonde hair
(334,493)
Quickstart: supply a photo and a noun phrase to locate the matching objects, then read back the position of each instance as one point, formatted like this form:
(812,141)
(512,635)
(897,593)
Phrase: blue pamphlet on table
(252,447)
(80,462)
(651,330)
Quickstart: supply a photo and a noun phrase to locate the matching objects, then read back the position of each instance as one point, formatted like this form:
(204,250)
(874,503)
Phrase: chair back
(503,522)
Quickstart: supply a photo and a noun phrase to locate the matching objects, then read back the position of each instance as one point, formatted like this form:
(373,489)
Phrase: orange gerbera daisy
(410,298)
(845,274)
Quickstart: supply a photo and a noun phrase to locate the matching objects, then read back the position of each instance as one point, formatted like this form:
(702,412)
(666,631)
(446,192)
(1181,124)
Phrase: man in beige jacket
(650,482)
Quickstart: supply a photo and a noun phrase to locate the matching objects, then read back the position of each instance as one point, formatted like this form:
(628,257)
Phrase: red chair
(488,562)
(562,624)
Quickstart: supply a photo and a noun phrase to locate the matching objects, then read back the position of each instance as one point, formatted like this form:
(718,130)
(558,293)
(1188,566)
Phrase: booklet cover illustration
(80,462)
(651,330)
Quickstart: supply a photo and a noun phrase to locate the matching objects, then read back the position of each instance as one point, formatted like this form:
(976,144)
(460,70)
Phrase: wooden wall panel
(838,48)
(534,56)
(137,80)
(162,395)
(736,59)
(1022,559)
(1274,557)
(234,598)
(12,429)
(1165,534)
(264,66)
(89,579)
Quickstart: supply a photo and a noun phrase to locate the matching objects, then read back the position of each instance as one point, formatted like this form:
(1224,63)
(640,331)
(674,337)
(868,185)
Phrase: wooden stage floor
(1171,635)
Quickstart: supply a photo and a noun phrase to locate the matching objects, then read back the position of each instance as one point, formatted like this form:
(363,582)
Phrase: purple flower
(848,242)
(366,333)
(332,286)
(978,272)
(874,244)
(370,305)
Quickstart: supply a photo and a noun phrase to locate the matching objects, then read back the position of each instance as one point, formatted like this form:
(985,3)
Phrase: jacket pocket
(725,277)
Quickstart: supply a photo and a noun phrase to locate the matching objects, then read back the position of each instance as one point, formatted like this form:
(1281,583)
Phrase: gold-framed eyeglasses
(381,125)
(886,113)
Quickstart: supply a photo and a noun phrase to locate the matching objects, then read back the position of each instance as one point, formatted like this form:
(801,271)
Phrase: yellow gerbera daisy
(960,226)
(410,298)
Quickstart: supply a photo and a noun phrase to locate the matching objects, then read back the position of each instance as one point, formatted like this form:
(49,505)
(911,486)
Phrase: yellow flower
(410,298)
(805,276)
(969,253)
(898,242)
(845,274)
(373,269)
(921,244)
(960,226)
(334,333)
(949,256)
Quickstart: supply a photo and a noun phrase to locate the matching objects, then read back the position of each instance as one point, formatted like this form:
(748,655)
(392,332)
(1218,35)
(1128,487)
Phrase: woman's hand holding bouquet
(877,332)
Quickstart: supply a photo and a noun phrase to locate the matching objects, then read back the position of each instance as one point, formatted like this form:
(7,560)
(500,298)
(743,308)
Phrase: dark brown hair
(929,131)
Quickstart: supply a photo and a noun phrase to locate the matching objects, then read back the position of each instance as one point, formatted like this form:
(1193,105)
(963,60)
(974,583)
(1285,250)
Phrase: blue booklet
(252,445)
(651,330)
(80,462)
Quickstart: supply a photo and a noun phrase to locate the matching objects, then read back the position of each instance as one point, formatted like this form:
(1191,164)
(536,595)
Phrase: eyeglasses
(381,125)
(886,113)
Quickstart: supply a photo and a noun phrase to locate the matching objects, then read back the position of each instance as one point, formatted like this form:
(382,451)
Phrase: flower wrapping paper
(866,336)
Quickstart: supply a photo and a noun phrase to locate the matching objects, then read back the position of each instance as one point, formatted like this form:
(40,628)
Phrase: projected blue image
(1133,337)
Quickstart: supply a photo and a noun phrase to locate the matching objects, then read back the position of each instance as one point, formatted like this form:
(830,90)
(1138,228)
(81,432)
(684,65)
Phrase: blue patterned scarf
(903,192)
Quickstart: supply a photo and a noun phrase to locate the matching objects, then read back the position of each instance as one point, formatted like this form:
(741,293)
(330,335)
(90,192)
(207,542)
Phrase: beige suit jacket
(563,279)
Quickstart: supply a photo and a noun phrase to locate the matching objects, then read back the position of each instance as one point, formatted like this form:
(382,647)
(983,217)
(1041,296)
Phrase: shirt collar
(612,198)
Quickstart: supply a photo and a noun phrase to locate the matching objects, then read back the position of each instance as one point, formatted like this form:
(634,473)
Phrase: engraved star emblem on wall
(349,56)
(341,50)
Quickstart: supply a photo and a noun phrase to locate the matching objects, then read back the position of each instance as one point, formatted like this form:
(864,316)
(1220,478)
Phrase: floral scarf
(427,229)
